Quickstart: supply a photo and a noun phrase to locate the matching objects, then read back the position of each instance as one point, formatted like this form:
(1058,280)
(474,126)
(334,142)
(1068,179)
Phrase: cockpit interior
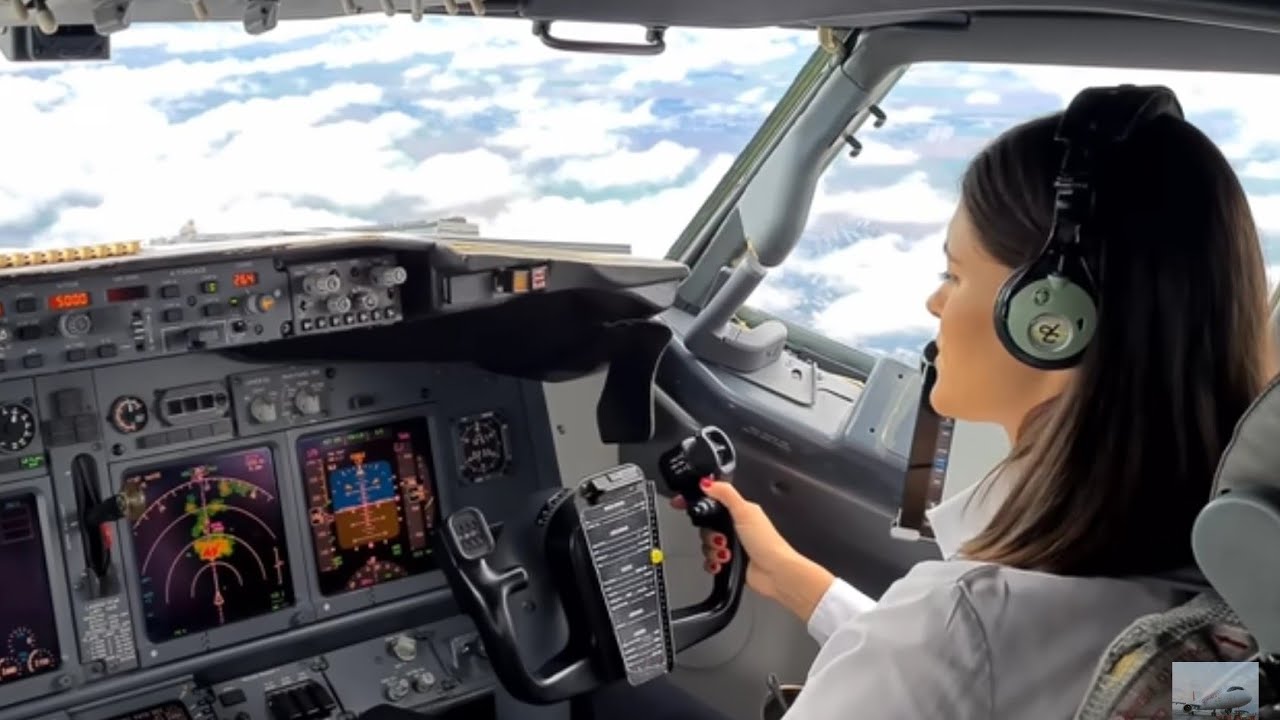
(382,474)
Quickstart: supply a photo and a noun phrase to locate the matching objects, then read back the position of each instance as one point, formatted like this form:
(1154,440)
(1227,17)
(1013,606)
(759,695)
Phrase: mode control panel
(103,318)
(345,293)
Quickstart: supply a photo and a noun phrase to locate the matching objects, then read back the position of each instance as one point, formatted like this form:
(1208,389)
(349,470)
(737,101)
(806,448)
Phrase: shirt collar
(962,516)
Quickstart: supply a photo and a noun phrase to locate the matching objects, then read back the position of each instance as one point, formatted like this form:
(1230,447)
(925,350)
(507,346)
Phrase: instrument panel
(164,507)
(105,318)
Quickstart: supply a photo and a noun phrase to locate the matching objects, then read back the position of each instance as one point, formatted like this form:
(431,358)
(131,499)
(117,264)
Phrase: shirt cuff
(841,603)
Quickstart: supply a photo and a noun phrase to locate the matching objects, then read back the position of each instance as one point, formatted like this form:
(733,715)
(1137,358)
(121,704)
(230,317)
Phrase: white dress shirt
(961,640)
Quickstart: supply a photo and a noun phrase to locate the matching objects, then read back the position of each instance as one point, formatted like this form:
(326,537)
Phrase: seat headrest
(1236,537)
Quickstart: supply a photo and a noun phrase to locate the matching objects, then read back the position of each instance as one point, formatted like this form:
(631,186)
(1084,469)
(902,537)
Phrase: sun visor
(1236,535)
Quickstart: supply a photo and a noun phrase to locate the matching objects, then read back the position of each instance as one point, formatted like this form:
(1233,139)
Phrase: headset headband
(1098,119)
(1046,312)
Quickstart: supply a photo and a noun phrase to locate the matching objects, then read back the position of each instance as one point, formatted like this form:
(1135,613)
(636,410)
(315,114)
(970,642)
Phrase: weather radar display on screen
(370,501)
(210,547)
(28,630)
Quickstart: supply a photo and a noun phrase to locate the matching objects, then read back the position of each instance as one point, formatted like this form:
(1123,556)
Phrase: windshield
(373,120)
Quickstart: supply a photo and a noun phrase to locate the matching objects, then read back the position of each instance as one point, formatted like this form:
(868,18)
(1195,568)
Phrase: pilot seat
(1235,613)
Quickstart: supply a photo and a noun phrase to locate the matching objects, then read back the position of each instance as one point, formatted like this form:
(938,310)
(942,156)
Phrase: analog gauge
(21,642)
(17,428)
(39,659)
(483,450)
(9,668)
(128,414)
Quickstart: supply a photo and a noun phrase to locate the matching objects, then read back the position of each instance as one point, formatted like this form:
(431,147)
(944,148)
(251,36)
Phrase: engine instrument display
(28,630)
(210,546)
(370,500)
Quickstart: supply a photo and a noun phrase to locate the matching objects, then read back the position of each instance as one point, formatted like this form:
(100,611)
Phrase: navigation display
(371,501)
(210,546)
(28,631)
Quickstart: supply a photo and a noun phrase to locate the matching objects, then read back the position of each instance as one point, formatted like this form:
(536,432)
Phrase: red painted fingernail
(718,541)
(713,567)
(723,554)
(706,483)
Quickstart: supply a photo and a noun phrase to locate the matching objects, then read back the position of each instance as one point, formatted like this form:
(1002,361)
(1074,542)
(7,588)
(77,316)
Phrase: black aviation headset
(1047,311)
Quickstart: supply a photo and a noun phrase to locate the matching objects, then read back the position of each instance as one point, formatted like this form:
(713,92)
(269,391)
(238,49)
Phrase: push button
(232,697)
(32,362)
(170,291)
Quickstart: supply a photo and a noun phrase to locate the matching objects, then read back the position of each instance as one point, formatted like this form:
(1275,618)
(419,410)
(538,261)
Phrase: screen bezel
(185,464)
(47,684)
(423,433)
(158,653)
(355,600)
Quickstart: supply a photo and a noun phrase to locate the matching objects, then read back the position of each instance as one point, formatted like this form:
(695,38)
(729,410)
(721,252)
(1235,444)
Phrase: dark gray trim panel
(255,655)
(734,13)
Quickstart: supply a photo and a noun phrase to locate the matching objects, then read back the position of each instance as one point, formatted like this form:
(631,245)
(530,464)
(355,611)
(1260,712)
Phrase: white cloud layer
(361,120)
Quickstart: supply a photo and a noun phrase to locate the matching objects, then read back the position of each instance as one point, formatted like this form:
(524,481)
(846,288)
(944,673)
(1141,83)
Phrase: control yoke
(603,549)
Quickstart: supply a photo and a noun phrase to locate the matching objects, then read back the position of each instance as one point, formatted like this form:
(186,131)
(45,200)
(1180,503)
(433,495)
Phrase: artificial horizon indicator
(371,503)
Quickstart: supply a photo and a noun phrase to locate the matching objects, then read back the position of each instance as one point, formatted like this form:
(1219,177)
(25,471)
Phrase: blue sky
(370,119)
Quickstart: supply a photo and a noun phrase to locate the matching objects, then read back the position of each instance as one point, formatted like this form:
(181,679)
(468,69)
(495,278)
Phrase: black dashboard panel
(219,467)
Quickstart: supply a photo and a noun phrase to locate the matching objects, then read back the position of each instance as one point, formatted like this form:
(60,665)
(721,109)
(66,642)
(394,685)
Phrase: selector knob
(338,304)
(397,689)
(403,648)
(264,411)
(388,276)
(424,681)
(74,325)
(322,284)
(307,402)
(366,301)
(261,303)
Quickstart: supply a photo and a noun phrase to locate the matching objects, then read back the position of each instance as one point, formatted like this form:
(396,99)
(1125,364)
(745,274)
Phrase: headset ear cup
(1046,322)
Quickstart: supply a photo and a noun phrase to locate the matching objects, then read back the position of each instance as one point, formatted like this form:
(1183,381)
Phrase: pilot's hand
(775,569)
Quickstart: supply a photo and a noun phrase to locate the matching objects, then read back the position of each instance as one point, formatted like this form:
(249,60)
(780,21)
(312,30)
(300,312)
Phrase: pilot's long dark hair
(1113,472)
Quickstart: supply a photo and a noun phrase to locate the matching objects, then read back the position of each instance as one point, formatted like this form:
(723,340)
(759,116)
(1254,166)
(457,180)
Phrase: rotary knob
(403,648)
(307,402)
(74,325)
(397,689)
(264,411)
(322,284)
(388,276)
(338,304)
(424,681)
(366,301)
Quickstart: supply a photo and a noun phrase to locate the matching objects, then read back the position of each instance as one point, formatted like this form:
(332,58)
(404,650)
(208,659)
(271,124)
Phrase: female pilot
(1111,459)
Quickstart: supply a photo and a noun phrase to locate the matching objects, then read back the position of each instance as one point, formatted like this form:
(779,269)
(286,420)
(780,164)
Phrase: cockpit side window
(871,252)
